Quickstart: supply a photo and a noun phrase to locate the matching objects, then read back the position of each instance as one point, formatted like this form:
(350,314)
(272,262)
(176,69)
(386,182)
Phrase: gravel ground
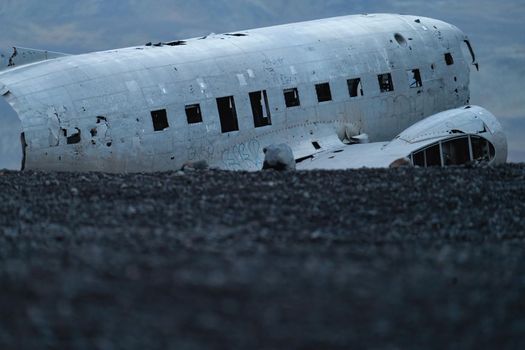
(402,258)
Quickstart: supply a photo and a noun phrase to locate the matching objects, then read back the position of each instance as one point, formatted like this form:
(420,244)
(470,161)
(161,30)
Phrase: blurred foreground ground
(406,258)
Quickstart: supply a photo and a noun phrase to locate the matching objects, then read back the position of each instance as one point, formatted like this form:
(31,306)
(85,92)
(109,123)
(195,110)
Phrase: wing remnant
(20,56)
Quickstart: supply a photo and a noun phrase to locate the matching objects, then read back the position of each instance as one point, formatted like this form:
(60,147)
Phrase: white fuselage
(104,111)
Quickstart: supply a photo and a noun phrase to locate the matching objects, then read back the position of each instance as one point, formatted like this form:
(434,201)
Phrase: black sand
(407,258)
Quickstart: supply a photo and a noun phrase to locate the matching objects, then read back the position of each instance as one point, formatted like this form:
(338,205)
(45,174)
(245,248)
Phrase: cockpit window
(482,150)
(457,151)
(433,156)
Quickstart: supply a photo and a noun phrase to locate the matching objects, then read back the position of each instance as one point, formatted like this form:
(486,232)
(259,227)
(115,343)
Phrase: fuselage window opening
(449,59)
(160,120)
(260,108)
(227,114)
(355,88)
(291,97)
(385,82)
(324,94)
(193,114)
(414,78)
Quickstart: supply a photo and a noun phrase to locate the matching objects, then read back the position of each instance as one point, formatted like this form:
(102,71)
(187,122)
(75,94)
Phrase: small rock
(401,163)
(279,157)
(198,165)
(131,210)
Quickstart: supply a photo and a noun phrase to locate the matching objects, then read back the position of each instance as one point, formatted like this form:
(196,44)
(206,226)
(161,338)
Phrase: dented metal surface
(101,111)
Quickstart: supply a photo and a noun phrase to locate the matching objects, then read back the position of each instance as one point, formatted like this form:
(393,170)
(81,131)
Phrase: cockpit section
(461,150)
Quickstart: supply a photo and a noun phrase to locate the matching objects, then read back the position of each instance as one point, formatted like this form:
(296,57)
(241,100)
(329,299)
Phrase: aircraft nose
(11,154)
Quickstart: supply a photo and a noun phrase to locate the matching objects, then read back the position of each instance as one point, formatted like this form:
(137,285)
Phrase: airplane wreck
(374,90)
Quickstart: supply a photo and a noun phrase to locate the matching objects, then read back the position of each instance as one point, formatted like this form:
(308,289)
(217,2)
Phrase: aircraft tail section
(19,56)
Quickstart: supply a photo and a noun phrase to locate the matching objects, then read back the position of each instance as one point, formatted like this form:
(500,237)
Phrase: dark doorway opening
(260,109)
(433,156)
(355,87)
(227,114)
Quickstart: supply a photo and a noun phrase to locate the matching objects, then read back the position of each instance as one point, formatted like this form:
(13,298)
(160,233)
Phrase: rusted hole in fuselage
(400,39)
(176,43)
(75,138)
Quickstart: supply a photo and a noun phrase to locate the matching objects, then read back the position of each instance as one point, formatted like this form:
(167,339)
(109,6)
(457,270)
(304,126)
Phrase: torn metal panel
(3,90)
(54,126)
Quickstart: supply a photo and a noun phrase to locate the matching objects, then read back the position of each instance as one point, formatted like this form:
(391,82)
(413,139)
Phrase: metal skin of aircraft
(337,91)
